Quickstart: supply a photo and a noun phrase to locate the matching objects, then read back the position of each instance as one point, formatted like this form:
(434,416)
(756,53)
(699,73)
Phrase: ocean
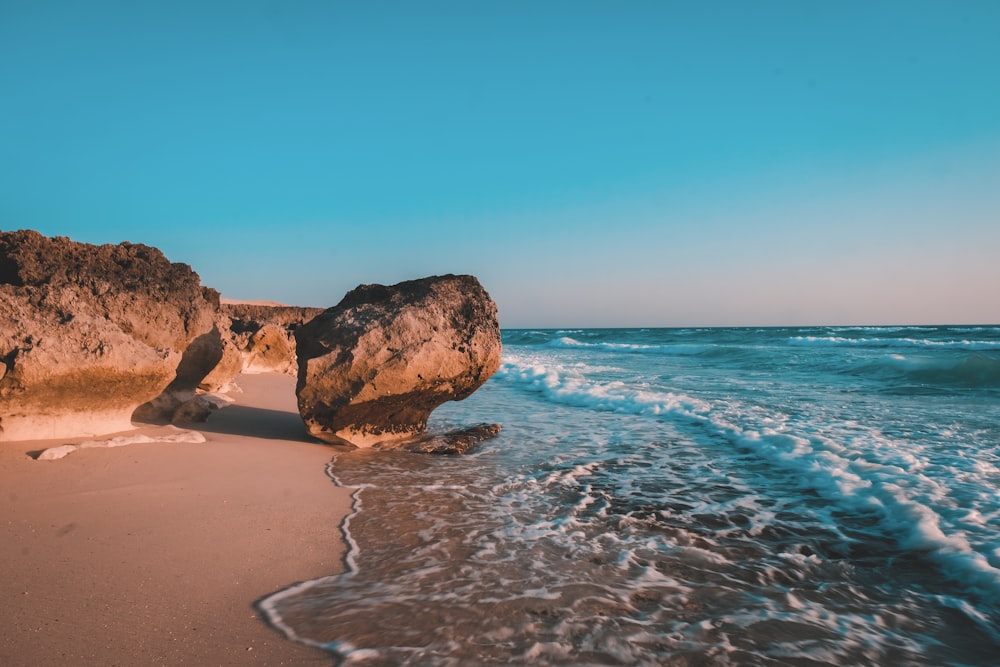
(740,496)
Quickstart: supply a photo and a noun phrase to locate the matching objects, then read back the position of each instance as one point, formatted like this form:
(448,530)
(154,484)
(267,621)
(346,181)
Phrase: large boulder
(88,333)
(373,367)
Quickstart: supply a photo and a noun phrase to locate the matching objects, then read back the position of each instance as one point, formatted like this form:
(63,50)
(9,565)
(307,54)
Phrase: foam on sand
(169,434)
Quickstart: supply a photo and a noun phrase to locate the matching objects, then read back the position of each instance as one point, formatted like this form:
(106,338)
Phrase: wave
(857,467)
(974,370)
(868,472)
(678,349)
(270,606)
(568,387)
(821,341)
(978,329)
(894,329)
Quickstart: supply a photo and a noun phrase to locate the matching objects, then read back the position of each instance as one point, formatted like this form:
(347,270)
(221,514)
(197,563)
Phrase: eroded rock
(246,338)
(199,408)
(265,335)
(88,333)
(372,368)
(269,351)
(457,442)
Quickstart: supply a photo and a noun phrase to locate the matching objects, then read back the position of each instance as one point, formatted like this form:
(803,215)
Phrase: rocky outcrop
(372,368)
(247,338)
(453,442)
(88,333)
(265,335)
(205,356)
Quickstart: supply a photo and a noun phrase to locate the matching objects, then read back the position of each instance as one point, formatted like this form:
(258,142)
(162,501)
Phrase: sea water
(771,496)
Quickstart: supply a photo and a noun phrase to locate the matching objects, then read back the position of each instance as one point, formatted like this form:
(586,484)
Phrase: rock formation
(373,367)
(264,335)
(88,333)
(247,338)
(453,442)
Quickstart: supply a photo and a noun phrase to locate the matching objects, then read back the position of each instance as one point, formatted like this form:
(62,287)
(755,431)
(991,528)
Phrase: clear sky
(593,163)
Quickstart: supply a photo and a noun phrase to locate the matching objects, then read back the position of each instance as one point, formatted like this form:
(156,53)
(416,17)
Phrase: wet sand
(156,553)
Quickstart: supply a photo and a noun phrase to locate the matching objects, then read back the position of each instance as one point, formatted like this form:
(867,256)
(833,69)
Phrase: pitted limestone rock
(88,333)
(373,367)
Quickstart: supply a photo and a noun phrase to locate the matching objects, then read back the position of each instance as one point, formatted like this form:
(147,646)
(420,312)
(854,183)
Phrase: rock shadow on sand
(256,422)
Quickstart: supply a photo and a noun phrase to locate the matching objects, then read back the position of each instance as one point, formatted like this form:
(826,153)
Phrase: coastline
(158,553)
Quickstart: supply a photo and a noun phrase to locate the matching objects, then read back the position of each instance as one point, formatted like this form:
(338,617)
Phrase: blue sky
(594,163)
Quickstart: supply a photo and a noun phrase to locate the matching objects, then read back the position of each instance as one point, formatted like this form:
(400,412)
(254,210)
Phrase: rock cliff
(88,333)
(372,368)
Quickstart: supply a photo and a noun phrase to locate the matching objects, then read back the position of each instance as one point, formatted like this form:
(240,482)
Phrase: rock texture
(246,338)
(265,335)
(372,368)
(205,356)
(88,333)
(455,442)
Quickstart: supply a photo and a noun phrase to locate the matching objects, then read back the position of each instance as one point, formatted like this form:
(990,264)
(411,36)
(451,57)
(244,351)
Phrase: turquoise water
(767,496)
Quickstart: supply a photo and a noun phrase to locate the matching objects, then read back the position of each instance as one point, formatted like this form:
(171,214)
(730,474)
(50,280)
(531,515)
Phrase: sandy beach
(156,553)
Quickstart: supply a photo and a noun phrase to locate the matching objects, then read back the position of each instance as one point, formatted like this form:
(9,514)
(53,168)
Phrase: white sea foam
(165,434)
(902,496)
(566,341)
(573,389)
(857,467)
(684,509)
(883,329)
(896,342)
(270,606)
(674,348)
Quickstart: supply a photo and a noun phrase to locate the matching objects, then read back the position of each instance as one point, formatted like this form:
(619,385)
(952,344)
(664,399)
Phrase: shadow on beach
(255,422)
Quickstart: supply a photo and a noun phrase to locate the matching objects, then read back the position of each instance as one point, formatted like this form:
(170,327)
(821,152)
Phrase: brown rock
(269,351)
(198,409)
(192,410)
(372,368)
(210,363)
(200,358)
(230,365)
(247,318)
(264,335)
(88,333)
(248,338)
(454,442)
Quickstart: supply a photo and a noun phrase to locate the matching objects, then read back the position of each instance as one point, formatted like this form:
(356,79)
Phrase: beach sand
(156,553)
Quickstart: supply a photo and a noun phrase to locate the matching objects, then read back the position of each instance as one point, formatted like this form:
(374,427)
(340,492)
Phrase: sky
(593,163)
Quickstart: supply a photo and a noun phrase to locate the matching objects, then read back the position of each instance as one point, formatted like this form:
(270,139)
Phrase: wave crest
(806,341)
(859,468)
(678,349)
(570,388)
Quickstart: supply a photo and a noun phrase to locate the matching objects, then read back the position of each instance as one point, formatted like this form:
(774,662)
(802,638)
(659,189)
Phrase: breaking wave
(895,342)
(850,464)
(675,348)
(759,498)
(970,370)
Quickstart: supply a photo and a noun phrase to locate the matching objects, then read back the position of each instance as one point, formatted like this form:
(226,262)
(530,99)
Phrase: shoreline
(160,553)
